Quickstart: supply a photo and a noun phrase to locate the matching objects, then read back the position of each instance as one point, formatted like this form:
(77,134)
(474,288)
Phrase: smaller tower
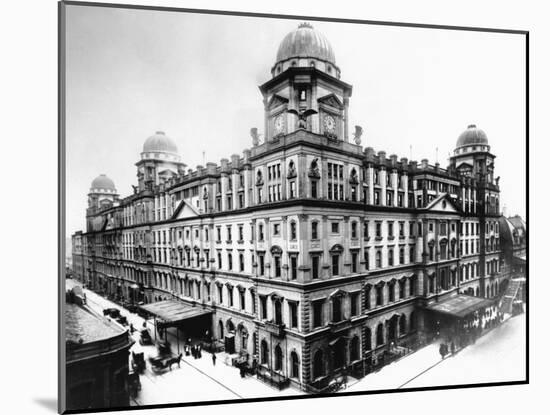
(159,161)
(102,192)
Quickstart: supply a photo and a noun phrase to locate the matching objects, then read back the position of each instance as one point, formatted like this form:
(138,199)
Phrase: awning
(520,259)
(460,306)
(170,311)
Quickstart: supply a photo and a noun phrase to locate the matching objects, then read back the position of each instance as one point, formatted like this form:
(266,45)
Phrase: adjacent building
(96,359)
(316,253)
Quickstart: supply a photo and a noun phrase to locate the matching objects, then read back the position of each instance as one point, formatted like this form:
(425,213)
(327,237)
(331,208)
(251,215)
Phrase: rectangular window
(241,233)
(315,267)
(229,262)
(314,189)
(262,264)
(219,260)
(292,190)
(317,314)
(261,232)
(314,234)
(293,267)
(354,229)
(263,307)
(354,262)
(277,260)
(335,264)
(334,226)
(379,229)
(293,314)
(354,298)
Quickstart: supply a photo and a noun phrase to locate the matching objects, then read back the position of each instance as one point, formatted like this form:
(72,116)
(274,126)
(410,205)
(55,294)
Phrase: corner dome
(160,143)
(305,46)
(472,136)
(102,182)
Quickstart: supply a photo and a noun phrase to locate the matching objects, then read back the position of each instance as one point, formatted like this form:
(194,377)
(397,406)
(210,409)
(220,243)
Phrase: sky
(130,73)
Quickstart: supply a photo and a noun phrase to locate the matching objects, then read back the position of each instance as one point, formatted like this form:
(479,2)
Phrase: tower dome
(160,143)
(472,136)
(305,46)
(102,184)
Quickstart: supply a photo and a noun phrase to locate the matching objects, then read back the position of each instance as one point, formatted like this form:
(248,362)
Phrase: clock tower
(305,91)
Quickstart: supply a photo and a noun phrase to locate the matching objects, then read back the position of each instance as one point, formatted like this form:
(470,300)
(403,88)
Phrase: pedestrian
(199,353)
(241,371)
(214,358)
(442,350)
(194,351)
(452,347)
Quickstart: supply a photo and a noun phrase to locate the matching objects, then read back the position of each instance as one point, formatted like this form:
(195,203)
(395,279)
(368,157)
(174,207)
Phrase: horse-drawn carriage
(111,312)
(138,362)
(159,363)
(145,337)
(122,320)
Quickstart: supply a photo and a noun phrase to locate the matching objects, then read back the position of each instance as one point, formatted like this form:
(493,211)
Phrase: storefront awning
(520,259)
(460,306)
(170,311)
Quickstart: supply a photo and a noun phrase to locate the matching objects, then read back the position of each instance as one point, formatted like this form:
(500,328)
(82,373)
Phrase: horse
(172,360)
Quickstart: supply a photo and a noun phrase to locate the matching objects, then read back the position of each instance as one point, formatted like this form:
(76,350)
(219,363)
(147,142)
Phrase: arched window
(264,356)
(294,365)
(354,349)
(380,335)
(278,358)
(318,364)
(220,329)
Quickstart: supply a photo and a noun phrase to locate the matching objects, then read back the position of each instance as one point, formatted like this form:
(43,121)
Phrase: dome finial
(305,24)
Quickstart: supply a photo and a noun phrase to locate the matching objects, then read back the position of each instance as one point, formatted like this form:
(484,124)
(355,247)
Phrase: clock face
(330,124)
(279,124)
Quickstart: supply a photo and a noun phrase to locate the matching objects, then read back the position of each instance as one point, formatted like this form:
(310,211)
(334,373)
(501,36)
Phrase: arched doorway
(339,353)
(220,329)
(264,355)
(294,365)
(380,335)
(392,329)
(230,326)
(318,364)
(402,324)
(354,349)
(278,358)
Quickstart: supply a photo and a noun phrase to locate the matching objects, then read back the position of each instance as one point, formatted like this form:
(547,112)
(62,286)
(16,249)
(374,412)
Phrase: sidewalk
(497,356)
(196,379)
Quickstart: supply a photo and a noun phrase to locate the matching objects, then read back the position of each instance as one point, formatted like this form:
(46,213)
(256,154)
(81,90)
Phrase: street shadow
(48,403)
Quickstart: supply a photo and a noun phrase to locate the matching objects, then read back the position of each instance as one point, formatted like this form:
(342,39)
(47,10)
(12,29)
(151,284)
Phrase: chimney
(424,163)
(224,165)
(211,168)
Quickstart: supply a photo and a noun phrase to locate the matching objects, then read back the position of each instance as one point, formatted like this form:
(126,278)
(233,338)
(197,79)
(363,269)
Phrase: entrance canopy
(460,306)
(173,312)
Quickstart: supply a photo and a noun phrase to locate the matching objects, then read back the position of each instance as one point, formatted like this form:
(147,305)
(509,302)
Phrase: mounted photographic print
(280,207)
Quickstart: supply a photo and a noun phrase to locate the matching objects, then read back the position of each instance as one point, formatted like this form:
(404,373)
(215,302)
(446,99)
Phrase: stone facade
(316,252)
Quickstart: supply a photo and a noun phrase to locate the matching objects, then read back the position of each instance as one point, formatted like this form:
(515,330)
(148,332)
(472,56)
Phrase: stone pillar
(324,244)
(370,182)
(382,177)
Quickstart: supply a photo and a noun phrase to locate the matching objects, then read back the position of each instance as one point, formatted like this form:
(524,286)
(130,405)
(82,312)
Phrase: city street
(497,356)
(195,379)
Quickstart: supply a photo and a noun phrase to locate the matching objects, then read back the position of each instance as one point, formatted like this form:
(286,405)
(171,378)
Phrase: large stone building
(315,252)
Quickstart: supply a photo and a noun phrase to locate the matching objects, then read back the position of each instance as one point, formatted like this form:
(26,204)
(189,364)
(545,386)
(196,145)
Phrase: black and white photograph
(276,207)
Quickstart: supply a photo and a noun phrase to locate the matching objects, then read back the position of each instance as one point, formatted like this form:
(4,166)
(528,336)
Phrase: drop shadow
(48,403)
